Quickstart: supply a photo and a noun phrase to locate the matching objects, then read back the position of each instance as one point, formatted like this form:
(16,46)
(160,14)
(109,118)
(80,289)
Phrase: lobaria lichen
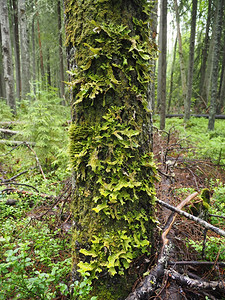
(110,136)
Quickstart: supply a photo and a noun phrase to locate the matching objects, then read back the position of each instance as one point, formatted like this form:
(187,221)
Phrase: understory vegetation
(36,189)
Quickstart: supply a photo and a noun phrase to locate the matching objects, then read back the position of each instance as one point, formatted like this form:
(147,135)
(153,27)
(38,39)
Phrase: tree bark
(205,49)
(187,106)
(216,55)
(24,45)
(17,48)
(33,56)
(162,65)
(182,65)
(61,65)
(171,76)
(113,177)
(2,82)
(7,56)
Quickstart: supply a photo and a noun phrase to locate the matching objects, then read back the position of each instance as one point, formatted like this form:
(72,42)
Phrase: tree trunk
(33,56)
(110,139)
(2,82)
(205,49)
(7,56)
(153,34)
(187,106)
(221,95)
(171,77)
(48,68)
(17,48)
(216,55)
(182,65)
(61,65)
(40,48)
(24,45)
(162,65)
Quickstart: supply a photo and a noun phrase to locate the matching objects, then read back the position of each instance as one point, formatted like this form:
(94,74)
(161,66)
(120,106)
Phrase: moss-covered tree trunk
(110,137)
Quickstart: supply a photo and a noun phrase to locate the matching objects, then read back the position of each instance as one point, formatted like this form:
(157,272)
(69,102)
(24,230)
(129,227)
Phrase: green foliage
(121,199)
(206,144)
(5,111)
(82,289)
(32,257)
(214,249)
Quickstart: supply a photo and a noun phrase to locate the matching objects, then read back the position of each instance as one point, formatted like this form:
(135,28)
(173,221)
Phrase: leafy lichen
(110,138)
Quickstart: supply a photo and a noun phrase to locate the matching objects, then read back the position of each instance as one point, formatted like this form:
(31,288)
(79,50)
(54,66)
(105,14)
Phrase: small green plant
(82,289)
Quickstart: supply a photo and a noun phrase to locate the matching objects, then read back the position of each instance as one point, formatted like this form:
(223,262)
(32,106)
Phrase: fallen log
(194,115)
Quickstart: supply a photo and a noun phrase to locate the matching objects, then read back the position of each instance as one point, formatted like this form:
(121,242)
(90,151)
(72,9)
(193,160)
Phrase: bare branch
(193,218)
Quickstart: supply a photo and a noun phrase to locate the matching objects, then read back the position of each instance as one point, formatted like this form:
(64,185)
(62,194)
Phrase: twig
(196,263)
(37,160)
(193,218)
(20,184)
(216,216)
(17,175)
(14,190)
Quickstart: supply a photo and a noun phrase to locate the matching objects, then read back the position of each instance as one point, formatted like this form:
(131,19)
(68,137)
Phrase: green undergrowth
(204,143)
(35,260)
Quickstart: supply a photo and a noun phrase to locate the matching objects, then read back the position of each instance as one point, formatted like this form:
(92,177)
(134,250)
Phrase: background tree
(187,106)
(110,138)
(215,62)
(7,56)
(25,57)
(161,87)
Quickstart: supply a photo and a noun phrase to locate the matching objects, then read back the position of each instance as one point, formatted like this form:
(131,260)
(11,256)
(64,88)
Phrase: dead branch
(8,131)
(196,263)
(37,160)
(195,284)
(193,218)
(17,175)
(172,218)
(19,184)
(16,143)
(216,216)
(28,193)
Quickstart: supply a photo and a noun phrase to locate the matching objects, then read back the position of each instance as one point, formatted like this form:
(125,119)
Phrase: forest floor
(179,177)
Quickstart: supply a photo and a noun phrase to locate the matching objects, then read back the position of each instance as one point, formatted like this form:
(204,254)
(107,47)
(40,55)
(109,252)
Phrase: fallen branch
(196,263)
(17,175)
(19,184)
(16,143)
(195,284)
(193,218)
(37,160)
(216,216)
(28,193)
(8,131)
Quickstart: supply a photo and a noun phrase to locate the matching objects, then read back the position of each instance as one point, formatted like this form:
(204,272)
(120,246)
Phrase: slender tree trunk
(216,55)
(171,76)
(48,68)
(153,34)
(33,56)
(24,44)
(40,48)
(2,81)
(110,116)
(182,65)
(61,65)
(187,105)
(7,56)
(162,70)
(205,48)
(221,94)
(17,48)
